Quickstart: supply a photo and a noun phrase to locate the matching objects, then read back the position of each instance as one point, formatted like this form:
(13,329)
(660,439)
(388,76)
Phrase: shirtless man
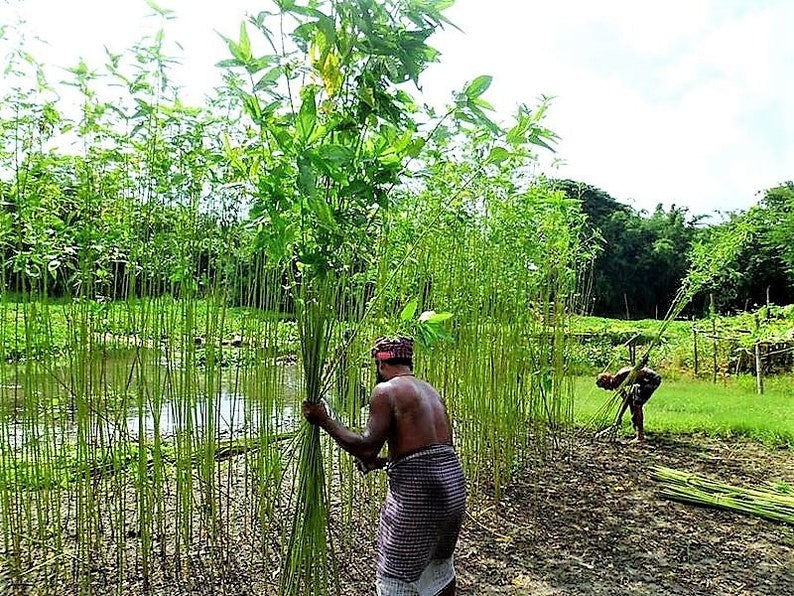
(634,396)
(426,500)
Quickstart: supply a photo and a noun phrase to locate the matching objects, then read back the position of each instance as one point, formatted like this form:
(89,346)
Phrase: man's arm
(367,445)
(620,376)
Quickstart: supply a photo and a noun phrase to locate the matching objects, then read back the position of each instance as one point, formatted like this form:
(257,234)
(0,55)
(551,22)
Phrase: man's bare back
(419,418)
(405,412)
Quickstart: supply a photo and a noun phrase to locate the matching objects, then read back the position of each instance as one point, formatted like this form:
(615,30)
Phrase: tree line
(644,257)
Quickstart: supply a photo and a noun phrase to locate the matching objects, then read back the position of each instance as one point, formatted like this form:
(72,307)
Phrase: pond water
(119,394)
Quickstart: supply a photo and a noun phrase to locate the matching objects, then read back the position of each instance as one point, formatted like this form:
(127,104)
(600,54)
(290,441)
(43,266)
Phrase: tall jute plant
(502,253)
(121,218)
(328,136)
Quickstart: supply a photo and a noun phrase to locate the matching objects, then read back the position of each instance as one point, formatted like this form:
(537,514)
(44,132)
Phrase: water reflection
(230,413)
(117,395)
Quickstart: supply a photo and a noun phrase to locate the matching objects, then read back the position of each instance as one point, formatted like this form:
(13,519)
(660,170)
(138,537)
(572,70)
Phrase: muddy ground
(589,522)
(595,523)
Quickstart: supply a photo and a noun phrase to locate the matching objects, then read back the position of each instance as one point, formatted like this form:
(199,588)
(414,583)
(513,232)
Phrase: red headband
(387,348)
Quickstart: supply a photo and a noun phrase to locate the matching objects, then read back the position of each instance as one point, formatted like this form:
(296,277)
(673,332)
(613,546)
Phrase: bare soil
(595,523)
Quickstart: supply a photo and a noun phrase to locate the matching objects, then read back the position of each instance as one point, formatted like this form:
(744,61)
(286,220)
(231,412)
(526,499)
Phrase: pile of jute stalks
(776,501)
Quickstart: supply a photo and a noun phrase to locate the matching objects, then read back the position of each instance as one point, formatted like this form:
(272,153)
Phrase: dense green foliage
(150,167)
(763,270)
(163,266)
(644,258)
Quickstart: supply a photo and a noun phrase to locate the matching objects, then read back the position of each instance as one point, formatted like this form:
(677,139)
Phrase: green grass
(38,328)
(693,406)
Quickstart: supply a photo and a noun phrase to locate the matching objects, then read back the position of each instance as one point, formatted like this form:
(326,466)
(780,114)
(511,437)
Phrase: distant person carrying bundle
(426,500)
(635,395)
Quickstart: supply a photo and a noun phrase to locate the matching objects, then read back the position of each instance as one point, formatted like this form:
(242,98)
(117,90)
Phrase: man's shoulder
(380,391)
(381,400)
(404,390)
(391,389)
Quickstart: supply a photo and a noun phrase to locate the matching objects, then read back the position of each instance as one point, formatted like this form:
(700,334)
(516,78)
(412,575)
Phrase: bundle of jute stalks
(776,501)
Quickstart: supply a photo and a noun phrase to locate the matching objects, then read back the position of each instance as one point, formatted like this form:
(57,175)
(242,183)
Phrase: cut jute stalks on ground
(776,502)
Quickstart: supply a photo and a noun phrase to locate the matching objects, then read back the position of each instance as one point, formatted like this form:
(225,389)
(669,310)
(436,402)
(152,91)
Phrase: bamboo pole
(767,304)
(714,348)
(695,342)
(759,380)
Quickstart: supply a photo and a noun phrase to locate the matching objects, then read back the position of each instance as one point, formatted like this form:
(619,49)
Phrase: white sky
(685,102)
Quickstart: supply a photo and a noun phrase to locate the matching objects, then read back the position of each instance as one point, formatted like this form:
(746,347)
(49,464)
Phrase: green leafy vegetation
(176,279)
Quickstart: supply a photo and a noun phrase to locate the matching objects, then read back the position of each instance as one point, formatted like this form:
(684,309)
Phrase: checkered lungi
(420,522)
(647,382)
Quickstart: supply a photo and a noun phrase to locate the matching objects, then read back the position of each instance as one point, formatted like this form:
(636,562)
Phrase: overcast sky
(685,102)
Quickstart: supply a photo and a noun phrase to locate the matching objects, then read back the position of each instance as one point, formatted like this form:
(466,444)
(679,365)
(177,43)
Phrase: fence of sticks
(733,353)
